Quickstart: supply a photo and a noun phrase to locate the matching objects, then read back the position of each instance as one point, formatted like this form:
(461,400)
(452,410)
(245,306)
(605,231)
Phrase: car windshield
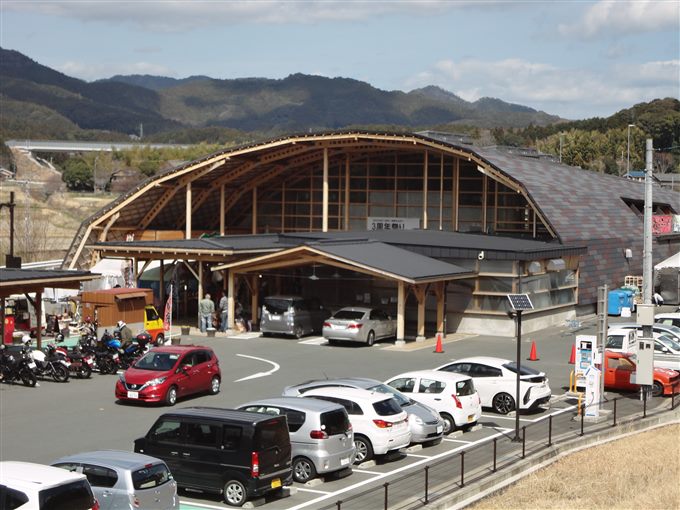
(387,407)
(673,328)
(524,370)
(669,341)
(277,306)
(384,388)
(159,361)
(351,315)
(151,476)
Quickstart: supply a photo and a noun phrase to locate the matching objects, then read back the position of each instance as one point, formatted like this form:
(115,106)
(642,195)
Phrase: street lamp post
(628,157)
(518,303)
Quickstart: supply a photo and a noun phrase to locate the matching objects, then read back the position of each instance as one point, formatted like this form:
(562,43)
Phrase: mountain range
(36,98)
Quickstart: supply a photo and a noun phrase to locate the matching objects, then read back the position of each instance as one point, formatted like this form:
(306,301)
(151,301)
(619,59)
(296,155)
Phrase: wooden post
(187,234)
(161,286)
(2,319)
(254,298)
(200,291)
(425,165)
(401,306)
(441,191)
(347,192)
(222,210)
(324,206)
(230,298)
(420,292)
(135,272)
(439,292)
(254,225)
(38,319)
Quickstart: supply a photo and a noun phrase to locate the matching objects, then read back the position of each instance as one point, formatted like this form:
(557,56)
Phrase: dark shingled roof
(8,275)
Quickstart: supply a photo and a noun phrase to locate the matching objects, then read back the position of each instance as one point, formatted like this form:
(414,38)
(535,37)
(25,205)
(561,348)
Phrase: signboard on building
(662,223)
(386,223)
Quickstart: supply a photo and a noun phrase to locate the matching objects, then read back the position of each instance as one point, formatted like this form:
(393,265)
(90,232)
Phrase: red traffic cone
(532,355)
(438,349)
(572,358)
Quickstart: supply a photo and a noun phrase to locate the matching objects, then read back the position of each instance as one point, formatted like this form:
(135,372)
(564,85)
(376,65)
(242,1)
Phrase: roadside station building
(434,231)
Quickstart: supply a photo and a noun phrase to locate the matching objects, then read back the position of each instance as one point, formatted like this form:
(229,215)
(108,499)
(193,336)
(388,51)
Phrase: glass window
(151,476)
(201,434)
(151,314)
(156,361)
(614,342)
(387,407)
(271,433)
(384,388)
(461,368)
(524,370)
(335,422)
(478,370)
(276,306)
(431,386)
(167,431)
(404,384)
(99,476)
(71,496)
(231,437)
(13,498)
(465,388)
(295,419)
(351,315)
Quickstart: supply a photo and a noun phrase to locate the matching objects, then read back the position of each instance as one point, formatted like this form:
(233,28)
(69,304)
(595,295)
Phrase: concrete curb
(475,491)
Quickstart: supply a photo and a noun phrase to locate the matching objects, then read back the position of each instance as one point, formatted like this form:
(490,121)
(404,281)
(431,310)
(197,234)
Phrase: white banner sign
(384,223)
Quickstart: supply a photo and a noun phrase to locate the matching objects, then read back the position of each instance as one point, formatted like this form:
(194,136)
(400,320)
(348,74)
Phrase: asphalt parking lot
(41,424)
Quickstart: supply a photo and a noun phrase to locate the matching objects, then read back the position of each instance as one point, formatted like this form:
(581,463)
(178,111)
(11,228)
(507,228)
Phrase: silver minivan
(321,435)
(122,480)
(292,315)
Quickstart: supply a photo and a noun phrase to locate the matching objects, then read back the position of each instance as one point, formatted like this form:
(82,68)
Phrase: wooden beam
(187,218)
(254,213)
(254,298)
(222,210)
(230,299)
(439,292)
(347,191)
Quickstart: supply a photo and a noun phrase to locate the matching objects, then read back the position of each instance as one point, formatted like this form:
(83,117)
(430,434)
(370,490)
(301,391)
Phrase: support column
(425,163)
(347,192)
(187,213)
(324,206)
(135,272)
(254,298)
(222,210)
(401,306)
(161,286)
(254,223)
(420,292)
(439,291)
(200,291)
(230,298)
(38,319)
(2,320)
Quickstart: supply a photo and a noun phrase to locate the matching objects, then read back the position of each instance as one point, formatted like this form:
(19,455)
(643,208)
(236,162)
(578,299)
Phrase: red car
(619,367)
(166,373)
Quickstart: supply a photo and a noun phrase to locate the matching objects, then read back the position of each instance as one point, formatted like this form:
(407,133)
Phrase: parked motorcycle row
(56,361)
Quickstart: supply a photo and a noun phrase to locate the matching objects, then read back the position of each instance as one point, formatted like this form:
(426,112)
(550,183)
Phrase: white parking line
(200,505)
(501,417)
(457,441)
(418,456)
(259,374)
(363,471)
(300,489)
(317,340)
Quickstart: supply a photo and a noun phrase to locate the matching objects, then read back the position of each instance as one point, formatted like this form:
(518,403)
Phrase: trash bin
(628,298)
(175,340)
(185,330)
(615,302)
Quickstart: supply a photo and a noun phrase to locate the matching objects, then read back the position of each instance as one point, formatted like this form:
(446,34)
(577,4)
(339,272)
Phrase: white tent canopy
(672,261)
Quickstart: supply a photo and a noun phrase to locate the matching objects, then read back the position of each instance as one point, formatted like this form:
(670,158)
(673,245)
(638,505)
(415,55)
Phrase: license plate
(471,417)
(31,365)
(275,318)
(440,429)
(133,394)
(344,462)
(276,483)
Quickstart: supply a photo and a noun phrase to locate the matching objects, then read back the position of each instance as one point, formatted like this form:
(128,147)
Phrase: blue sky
(577,59)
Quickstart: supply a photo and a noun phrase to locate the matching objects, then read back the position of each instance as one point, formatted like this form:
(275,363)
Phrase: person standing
(224,312)
(658,299)
(206,308)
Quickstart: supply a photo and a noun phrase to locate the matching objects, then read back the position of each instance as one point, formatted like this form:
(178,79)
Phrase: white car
(668,318)
(657,327)
(664,357)
(30,486)
(379,423)
(495,381)
(453,396)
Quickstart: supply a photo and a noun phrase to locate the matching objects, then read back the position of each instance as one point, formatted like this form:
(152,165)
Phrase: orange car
(618,370)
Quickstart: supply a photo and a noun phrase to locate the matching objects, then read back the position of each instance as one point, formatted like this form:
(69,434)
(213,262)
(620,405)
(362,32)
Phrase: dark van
(238,454)
(292,315)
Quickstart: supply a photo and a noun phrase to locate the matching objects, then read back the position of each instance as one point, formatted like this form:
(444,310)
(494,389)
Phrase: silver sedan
(359,324)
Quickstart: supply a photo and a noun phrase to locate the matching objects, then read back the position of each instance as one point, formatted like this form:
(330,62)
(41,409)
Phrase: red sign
(167,315)
(662,224)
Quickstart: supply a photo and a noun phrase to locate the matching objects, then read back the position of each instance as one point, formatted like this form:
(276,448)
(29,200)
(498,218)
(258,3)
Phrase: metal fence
(469,464)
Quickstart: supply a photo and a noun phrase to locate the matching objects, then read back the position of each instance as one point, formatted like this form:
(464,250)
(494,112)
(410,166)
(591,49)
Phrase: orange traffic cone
(532,355)
(438,349)
(572,358)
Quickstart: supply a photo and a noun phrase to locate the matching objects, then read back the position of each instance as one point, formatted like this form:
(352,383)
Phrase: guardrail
(469,464)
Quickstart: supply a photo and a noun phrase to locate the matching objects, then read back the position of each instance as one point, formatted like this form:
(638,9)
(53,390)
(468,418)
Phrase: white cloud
(178,16)
(573,93)
(625,18)
(91,72)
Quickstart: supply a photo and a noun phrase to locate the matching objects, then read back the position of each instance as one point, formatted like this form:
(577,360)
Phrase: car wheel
(234,493)
(370,339)
(503,403)
(160,339)
(332,342)
(265,334)
(657,389)
(449,423)
(171,396)
(297,332)
(215,385)
(364,449)
(303,470)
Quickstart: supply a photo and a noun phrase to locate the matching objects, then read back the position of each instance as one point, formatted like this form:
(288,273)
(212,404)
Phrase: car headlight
(122,378)
(416,419)
(156,382)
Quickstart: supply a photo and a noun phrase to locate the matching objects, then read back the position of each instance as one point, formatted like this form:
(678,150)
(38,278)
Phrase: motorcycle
(48,363)
(81,363)
(107,354)
(17,366)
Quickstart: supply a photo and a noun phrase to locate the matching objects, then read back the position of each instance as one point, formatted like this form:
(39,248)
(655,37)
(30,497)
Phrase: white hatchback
(379,423)
(453,396)
(495,380)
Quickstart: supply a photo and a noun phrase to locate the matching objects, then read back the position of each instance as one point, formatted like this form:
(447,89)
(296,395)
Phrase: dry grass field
(641,471)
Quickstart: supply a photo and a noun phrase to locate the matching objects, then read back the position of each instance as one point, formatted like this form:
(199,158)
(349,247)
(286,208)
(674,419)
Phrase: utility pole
(647,274)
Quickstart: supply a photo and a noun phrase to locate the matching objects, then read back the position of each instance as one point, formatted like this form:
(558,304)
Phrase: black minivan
(238,454)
